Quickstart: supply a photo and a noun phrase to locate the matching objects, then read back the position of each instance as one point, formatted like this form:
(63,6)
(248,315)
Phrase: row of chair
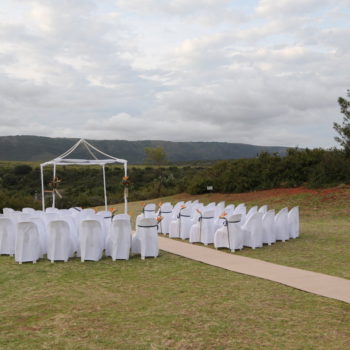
(225,226)
(60,234)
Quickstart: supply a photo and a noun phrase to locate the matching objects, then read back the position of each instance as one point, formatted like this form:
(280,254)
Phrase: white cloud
(262,72)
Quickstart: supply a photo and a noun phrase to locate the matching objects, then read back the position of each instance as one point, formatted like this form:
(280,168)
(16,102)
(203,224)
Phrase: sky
(261,72)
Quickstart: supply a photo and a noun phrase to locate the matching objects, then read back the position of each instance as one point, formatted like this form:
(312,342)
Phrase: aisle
(308,281)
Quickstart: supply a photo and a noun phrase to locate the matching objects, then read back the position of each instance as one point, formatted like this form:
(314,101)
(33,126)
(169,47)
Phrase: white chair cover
(91,240)
(263,209)
(60,244)
(268,223)
(203,230)
(219,209)
(7,211)
(145,241)
(51,210)
(148,211)
(28,210)
(7,236)
(118,242)
(253,231)
(241,209)
(27,243)
(166,211)
(294,222)
(229,235)
(176,209)
(281,225)
(42,230)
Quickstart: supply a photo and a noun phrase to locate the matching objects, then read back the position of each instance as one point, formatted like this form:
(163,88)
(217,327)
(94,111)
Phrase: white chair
(166,210)
(145,241)
(281,225)
(230,235)
(203,230)
(7,211)
(28,210)
(7,236)
(252,211)
(253,231)
(148,211)
(294,222)
(60,245)
(51,210)
(118,242)
(91,240)
(177,208)
(73,230)
(241,209)
(180,228)
(219,209)
(42,230)
(263,209)
(268,224)
(27,243)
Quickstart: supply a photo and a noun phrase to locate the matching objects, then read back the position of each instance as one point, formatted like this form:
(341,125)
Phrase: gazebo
(93,151)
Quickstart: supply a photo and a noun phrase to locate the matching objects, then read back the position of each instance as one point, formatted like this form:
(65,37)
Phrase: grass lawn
(174,303)
(324,244)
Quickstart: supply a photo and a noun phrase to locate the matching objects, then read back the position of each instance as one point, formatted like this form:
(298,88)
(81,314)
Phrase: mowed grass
(174,303)
(163,303)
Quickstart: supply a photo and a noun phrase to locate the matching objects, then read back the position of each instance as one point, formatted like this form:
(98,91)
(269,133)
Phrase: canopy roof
(93,151)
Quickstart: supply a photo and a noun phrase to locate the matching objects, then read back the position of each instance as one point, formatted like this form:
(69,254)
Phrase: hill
(38,148)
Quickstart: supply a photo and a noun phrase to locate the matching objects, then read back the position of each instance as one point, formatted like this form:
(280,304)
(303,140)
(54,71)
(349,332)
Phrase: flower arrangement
(125,181)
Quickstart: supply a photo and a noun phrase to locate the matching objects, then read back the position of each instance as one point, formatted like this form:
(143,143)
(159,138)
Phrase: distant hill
(37,148)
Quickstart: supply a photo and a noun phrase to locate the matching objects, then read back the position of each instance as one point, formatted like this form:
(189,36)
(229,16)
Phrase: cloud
(265,73)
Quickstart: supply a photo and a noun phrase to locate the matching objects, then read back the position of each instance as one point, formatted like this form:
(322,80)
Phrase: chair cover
(27,243)
(60,245)
(203,230)
(118,241)
(73,230)
(28,210)
(166,212)
(145,241)
(294,222)
(176,209)
(219,209)
(252,211)
(281,225)
(7,211)
(43,233)
(148,211)
(263,209)
(7,236)
(229,235)
(241,209)
(268,223)
(91,240)
(51,210)
(253,231)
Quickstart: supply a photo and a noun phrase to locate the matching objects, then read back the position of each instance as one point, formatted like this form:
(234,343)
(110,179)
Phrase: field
(174,303)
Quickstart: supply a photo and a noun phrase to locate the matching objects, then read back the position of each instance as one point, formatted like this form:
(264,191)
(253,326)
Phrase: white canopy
(62,160)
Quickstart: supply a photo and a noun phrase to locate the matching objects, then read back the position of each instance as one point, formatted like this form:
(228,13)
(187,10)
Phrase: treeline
(82,186)
(300,167)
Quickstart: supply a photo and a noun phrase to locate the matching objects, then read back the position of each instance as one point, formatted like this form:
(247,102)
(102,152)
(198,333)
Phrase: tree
(157,156)
(344,129)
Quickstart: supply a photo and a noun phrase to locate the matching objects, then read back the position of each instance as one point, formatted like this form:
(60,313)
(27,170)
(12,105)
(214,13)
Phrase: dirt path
(308,281)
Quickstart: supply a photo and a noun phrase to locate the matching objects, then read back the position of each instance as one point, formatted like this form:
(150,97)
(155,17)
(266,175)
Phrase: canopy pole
(104,185)
(53,186)
(126,189)
(42,188)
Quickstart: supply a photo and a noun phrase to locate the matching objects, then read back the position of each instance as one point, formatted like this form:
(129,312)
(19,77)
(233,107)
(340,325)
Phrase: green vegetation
(82,186)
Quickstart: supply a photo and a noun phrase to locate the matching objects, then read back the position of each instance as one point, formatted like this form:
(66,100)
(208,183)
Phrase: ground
(174,303)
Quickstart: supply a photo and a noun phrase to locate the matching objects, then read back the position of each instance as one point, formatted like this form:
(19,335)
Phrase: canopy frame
(62,160)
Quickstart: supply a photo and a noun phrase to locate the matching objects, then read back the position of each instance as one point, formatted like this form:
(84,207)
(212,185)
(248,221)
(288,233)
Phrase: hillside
(37,148)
